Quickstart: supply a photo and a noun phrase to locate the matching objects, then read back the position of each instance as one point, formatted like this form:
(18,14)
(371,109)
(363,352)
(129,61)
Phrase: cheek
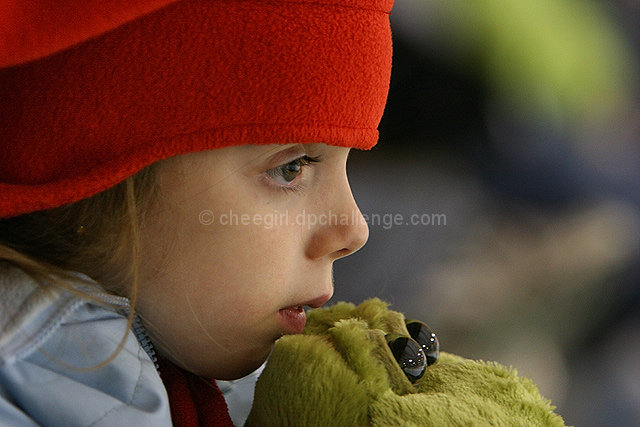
(239,256)
(246,262)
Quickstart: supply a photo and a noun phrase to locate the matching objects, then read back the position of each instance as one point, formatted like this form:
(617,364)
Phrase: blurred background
(512,132)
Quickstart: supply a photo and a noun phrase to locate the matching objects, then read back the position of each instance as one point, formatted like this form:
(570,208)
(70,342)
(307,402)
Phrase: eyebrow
(286,154)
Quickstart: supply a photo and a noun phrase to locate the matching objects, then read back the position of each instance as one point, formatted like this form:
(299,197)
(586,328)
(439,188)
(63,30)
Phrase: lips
(293,318)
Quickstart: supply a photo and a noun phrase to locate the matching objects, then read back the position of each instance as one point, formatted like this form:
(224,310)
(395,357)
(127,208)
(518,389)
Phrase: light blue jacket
(51,340)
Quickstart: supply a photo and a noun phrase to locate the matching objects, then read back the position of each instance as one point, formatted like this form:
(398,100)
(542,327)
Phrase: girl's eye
(285,174)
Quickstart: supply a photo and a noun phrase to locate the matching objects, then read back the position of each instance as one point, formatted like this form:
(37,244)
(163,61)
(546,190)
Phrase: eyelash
(300,161)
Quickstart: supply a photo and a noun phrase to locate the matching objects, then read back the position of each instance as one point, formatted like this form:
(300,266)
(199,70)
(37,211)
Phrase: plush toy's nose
(427,339)
(409,355)
(414,353)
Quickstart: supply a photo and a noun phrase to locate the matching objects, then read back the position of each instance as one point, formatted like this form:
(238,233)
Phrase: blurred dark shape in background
(503,199)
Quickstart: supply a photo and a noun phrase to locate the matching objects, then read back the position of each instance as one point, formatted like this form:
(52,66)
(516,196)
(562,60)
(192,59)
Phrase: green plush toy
(358,366)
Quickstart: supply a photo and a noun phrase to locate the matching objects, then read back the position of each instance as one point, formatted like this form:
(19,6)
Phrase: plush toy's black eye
(420,332)
(409,355)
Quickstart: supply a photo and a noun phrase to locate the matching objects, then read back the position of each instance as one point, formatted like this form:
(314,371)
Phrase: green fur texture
(341,372)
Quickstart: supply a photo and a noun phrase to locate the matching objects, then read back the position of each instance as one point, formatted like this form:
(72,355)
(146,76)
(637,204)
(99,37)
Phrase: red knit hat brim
(193,75)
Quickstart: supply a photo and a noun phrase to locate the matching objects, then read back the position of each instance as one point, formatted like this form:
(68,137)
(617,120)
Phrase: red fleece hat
(92,91)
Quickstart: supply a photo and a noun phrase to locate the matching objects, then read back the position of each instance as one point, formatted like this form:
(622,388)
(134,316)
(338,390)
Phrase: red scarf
(194,401)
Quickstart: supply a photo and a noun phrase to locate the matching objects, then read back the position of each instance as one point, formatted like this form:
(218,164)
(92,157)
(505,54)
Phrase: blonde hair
(97,236)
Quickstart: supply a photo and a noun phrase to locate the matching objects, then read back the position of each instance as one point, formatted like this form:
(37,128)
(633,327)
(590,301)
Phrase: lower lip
(293,319)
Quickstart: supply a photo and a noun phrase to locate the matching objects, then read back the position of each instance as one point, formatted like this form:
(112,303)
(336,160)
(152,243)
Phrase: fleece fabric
(341,372)
(194,401)
(93,91)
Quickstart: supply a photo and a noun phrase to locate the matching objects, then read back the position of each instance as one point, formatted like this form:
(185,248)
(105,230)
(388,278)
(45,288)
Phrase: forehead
(222,163)
(261,151)
(247,155)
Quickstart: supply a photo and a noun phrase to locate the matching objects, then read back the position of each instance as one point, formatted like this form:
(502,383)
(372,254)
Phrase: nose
(342,229)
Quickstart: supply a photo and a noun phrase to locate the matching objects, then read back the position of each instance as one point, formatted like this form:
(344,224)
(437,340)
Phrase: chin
(241,366)
(239,372)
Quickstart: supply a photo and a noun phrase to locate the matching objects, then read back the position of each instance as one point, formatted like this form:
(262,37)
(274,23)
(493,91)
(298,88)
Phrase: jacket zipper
(137,326)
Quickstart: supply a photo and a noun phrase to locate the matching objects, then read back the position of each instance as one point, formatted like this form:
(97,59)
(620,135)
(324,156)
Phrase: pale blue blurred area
(520,122)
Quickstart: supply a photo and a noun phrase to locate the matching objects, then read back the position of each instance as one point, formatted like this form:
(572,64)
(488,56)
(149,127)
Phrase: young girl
(173,194)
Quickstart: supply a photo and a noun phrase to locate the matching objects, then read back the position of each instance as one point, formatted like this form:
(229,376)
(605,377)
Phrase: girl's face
(240,240)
